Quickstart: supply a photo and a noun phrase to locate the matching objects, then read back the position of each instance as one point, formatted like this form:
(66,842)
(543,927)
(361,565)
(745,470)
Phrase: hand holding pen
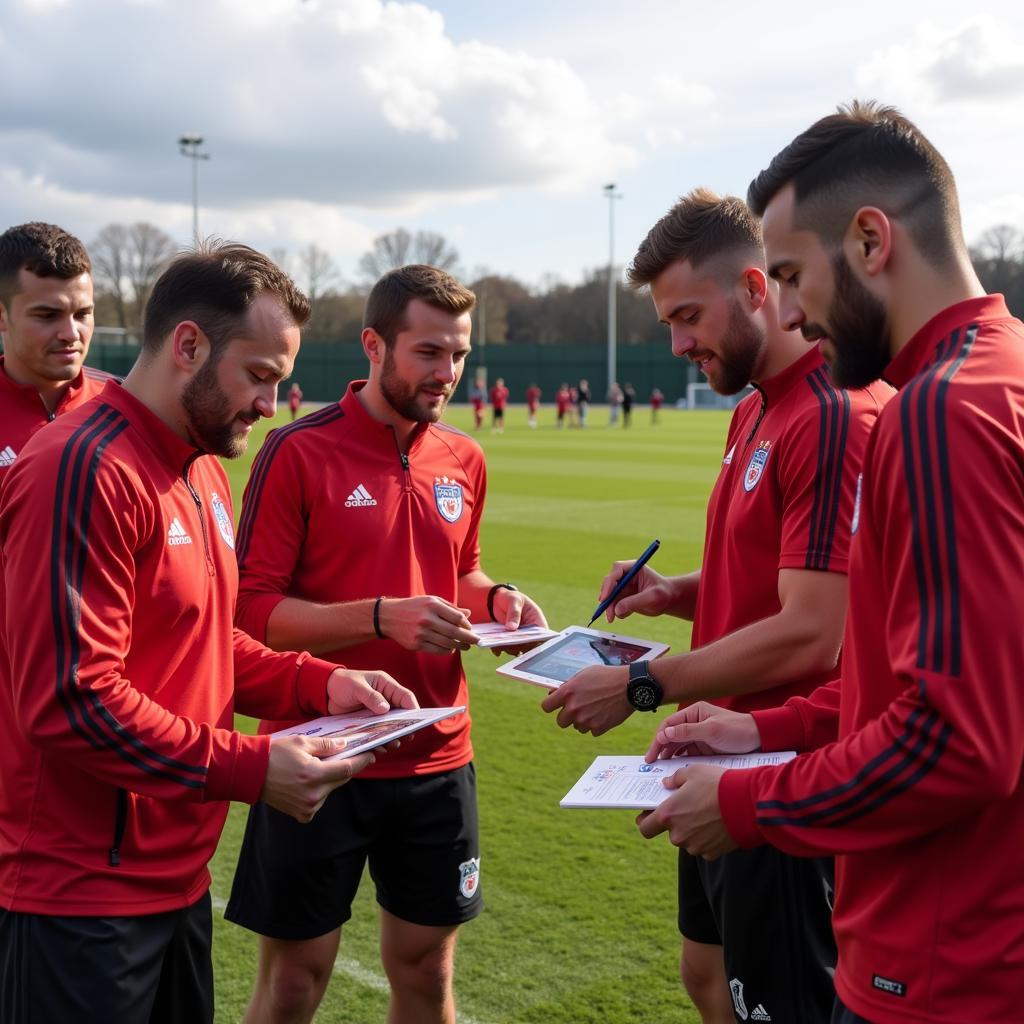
(625,580)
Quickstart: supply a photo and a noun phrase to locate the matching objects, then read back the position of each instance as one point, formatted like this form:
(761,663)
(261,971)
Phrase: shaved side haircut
(867,154)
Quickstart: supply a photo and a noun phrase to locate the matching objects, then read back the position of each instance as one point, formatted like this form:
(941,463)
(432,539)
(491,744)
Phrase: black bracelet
(490,597)
(376,618)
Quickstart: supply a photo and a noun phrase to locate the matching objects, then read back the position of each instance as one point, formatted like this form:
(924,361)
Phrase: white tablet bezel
(512,669)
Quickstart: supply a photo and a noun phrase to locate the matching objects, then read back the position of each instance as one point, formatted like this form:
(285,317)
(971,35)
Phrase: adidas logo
(7,457)
(176,534)
(359,498)
(760,1013)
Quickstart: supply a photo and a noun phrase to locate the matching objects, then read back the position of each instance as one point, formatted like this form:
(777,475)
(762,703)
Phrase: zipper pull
(115,857)
(405,460)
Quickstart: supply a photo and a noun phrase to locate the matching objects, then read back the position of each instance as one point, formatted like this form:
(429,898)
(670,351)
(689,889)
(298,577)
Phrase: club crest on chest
(448,498)
(756,465)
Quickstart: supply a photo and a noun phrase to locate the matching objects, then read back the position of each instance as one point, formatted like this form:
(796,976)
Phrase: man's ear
(190,347)
(4,325)
(373,345)
(868,241)
(754,288)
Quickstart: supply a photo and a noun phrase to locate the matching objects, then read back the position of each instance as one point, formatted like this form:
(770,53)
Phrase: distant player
(294,398)
(46,318)
(563,403)
(477,399)
(628,401)
(532,404)
(499,399)
(582,401)
(657,398)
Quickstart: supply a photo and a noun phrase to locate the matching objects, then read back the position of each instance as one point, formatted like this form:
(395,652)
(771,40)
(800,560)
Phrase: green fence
(323,369)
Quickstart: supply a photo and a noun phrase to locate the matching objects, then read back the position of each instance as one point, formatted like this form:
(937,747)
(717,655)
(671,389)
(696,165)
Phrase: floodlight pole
(189,146)
(609,191)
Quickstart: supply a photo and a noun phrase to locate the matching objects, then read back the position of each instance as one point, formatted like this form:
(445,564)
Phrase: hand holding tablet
(576,648)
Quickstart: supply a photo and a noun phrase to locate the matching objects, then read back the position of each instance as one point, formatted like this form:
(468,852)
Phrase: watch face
(644,694)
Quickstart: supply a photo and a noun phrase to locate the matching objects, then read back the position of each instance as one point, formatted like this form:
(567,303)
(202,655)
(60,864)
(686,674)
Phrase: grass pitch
(580,919)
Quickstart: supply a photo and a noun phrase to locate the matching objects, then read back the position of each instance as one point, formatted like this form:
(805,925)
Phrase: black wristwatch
(643,691)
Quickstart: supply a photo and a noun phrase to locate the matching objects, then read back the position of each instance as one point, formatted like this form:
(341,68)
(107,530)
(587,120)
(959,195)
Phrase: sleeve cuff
(311,683)
(242,772)
(780,728)
(736,802)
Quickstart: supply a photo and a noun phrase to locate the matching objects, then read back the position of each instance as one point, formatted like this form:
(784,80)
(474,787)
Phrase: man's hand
(350,689)
(426,623)
(648,593)
(703,728)
(512,608)
(298,781)
(691,815)
(593,700)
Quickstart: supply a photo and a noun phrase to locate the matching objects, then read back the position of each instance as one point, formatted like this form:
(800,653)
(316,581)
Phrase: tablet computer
(575,648)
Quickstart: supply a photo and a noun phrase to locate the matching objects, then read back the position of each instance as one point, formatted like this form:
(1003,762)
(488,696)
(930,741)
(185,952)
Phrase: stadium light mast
(609,191)
(189,146)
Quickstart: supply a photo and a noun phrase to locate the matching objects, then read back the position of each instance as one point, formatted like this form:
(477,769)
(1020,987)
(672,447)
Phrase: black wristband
(376,618)
(490,597)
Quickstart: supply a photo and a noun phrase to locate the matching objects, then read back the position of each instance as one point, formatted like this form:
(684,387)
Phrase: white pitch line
(352,968)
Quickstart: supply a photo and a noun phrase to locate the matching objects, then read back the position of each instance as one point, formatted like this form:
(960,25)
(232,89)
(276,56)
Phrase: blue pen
(626,577)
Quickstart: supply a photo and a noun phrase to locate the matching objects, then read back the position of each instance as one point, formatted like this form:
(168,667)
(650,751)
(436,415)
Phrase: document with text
(630,783)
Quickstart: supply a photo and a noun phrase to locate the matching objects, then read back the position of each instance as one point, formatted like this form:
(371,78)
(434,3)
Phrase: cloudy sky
(496,124)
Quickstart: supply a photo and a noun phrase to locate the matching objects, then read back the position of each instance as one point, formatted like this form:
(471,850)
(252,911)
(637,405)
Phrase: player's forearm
(473,590)
(683,603)
(297,625)
(768,653)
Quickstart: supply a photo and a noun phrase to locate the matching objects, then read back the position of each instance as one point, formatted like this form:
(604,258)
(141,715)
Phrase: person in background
(532,403)
(294,398)
(614,403)
(46,319)
(657,398)
(499,399)
(582,401)
(628,401)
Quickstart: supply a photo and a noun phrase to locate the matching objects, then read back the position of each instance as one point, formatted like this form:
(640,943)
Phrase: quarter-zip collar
(352,406)
(775,387)
(30,395)
(176,452)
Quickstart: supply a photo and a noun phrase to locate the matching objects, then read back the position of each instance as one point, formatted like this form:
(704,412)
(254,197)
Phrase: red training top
(532,397)
(922,796)
(22,411)
(499,396)
(335,512)
(783,500)
(120,669)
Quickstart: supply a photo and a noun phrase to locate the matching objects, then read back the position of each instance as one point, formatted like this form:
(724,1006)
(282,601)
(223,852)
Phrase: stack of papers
(630,783)
(494,634)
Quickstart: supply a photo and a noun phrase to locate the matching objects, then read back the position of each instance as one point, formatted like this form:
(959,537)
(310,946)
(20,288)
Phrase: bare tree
(319,272)
(127,260)
(399,247)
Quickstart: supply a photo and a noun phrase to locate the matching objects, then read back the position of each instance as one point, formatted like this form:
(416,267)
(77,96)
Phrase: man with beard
(46,319)
(767,604)
(360,532)
(921,797)
(120,668)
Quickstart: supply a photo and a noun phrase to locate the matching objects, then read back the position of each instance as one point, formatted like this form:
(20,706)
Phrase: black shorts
(772,915)
(842,1014)
(419,834)
(151,969)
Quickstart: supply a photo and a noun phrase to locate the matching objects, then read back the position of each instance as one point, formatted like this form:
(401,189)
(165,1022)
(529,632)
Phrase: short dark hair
(701,227)
(389,298)
(42,249)
(867,154)
(215,284)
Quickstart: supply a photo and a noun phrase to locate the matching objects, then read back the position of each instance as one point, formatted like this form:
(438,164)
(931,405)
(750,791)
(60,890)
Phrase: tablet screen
(566,657)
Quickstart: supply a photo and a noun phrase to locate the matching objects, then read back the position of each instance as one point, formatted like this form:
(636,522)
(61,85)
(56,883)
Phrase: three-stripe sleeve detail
(833,429)
(69,557)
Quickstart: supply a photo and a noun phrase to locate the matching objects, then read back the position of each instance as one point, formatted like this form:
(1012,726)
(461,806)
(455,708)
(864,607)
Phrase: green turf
(580,919)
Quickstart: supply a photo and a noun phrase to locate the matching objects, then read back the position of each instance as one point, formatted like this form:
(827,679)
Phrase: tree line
(127,259)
